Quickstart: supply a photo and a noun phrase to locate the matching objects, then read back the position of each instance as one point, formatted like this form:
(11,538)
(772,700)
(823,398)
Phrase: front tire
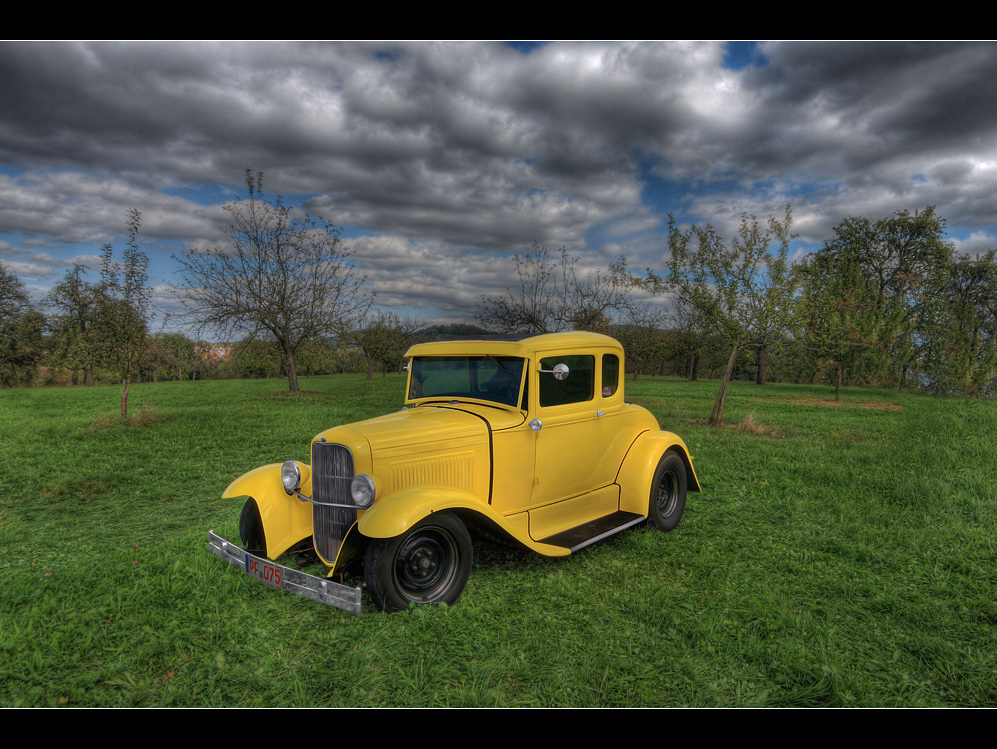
(668,489)
(428,565)
(254,540)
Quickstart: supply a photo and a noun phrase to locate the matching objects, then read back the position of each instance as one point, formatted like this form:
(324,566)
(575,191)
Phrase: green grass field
(839,555)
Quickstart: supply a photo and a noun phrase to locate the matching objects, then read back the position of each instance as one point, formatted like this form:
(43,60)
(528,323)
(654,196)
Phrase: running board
(595,530)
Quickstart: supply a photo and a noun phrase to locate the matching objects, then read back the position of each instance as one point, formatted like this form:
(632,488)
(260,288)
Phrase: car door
(578,429)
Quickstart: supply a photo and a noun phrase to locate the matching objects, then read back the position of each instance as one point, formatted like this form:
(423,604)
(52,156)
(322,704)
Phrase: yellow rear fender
(638,468)
(394,515)
(286,519)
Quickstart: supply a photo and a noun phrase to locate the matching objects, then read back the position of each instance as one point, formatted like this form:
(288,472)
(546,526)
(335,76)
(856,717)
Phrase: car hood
(425,429)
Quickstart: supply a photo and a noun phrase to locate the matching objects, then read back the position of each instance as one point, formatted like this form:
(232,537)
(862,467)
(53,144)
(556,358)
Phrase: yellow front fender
(394,515)
(286,519)
(638,467)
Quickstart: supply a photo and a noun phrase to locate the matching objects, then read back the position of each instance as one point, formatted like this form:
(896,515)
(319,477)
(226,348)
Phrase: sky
(441,160)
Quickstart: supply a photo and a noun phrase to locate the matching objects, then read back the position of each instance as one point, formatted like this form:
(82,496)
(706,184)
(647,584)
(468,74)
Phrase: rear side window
(610,374)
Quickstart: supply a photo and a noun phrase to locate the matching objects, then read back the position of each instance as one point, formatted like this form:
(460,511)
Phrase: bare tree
(279,277)
(552,297)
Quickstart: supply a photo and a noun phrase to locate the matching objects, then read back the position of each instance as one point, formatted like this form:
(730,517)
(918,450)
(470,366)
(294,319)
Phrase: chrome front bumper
(318,589)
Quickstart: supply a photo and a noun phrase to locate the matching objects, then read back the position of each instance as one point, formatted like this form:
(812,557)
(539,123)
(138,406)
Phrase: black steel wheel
(428,565)
(668,489)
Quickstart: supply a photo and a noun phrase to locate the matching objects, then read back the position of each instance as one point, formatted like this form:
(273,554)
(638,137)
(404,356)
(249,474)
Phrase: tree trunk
(694,368)
(717,417)
(837,386)
(127,382)
(292,373)
(763,362)
(88,376)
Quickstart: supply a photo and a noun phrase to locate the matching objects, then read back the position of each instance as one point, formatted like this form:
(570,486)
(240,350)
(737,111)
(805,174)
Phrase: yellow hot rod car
(527,439)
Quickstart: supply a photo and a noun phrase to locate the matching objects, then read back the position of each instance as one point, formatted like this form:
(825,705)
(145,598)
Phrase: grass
(839,555)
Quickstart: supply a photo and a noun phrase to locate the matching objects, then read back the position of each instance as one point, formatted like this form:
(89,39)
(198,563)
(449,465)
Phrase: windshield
(490,378)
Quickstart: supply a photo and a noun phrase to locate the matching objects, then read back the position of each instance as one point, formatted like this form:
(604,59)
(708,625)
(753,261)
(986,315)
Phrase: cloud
(21,268)
(977,243)
(448,157)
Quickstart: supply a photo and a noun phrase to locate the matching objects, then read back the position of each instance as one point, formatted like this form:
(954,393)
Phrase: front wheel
(428,565)
(254,539)
(667,500)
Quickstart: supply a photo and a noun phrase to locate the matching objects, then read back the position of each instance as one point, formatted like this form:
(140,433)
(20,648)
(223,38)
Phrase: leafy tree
(317,356)
(961,340)
(868,295)
(75,301)
(20,333)
(279,277)
(383,338)
(740,289)
(176,355)
(832,309)
(255,358)
(122,310)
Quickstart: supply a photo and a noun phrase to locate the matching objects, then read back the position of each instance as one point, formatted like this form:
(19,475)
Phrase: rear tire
(668,489)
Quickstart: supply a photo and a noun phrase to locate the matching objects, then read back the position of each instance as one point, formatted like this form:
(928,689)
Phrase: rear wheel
(428,565)
(668,488)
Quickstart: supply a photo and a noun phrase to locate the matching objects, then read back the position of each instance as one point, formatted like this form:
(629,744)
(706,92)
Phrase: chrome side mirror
(560,371)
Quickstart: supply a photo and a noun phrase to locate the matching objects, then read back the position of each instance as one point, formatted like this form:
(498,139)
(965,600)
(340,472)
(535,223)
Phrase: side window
(610,374)
(576,388)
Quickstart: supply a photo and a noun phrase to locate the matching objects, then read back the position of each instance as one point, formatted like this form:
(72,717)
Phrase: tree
(76,302)
(383,338)
(317,356)
(741,289)
(961,340)
(551,297)
(280,277)
(255,358)
(640,333)
(906,261)
(869,295)
(175,354)
(122,309)
(20,333)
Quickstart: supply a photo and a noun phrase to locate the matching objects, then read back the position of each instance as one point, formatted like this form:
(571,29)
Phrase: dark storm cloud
(454,155)
(427,140)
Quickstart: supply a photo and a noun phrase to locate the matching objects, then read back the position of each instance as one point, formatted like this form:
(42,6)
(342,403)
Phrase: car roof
(524,346)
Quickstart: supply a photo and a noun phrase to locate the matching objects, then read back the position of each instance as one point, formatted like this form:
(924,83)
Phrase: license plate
(264,571)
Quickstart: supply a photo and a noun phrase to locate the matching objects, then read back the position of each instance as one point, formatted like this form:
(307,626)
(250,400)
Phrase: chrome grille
(332,473)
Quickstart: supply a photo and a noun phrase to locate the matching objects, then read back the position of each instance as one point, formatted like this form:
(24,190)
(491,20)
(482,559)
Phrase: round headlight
(290,476)
(362,490)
